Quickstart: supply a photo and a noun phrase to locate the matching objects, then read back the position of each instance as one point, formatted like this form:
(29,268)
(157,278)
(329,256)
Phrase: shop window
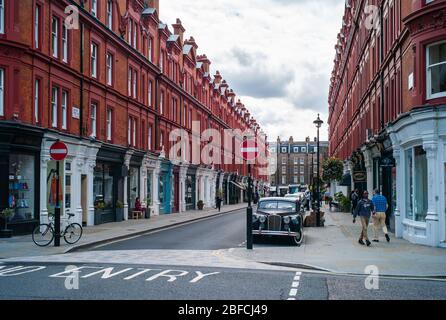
(21,186)
(416,184)
(149,189)
(67,185)
(133,186)
(436,70)
(103,185)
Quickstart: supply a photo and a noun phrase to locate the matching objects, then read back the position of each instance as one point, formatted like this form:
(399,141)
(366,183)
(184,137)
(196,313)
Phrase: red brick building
(112,82)
(386,105)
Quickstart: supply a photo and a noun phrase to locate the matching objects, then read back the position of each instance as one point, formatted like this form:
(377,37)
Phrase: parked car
(279,217)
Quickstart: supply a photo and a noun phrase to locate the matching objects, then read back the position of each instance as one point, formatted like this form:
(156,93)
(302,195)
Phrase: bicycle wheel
(73,233)
(43,235)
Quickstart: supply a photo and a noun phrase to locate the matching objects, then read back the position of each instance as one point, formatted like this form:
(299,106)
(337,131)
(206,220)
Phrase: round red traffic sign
(250,149)
(58,151)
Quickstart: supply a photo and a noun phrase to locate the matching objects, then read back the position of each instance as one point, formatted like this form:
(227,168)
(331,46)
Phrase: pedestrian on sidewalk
(379,215)
(354,198)
(218,202)
(364,210)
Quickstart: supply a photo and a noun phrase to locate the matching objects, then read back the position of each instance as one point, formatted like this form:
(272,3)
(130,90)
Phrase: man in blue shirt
(379,215)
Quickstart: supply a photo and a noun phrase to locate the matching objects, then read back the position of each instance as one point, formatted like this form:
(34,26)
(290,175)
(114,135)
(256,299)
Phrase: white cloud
(277,55)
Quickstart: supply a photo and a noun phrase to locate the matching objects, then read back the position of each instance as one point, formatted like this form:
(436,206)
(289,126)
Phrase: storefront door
(176,191)
(190,192)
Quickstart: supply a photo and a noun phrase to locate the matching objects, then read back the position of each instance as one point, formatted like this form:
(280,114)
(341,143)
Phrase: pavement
(335,248)
(23,246)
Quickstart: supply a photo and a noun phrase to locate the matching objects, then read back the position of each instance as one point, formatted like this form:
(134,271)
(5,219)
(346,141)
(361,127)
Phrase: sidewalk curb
(315,268)
(129,235)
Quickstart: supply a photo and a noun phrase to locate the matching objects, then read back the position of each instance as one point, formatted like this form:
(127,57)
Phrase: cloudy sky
(277,55)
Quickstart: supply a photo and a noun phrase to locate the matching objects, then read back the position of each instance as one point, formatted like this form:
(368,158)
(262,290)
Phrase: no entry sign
(250,149)
(58,151)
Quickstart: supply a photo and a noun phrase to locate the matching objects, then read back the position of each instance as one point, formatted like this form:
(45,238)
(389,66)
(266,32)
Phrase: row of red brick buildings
(387,109)
(112,81)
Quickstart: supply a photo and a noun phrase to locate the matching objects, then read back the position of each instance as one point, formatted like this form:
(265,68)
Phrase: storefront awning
(346,180)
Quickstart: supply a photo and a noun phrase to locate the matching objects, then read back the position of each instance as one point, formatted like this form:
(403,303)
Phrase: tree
(333,169)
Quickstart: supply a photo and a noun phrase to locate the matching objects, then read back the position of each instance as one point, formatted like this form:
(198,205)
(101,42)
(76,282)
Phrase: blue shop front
(165,189)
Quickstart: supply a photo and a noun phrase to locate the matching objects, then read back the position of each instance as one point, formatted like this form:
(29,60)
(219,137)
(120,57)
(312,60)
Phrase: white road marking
(19,270)
(107,273)
(172,277)
(294,286)
(201,275)
(140,273)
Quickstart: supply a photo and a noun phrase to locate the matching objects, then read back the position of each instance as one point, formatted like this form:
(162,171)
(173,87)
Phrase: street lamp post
(318,122)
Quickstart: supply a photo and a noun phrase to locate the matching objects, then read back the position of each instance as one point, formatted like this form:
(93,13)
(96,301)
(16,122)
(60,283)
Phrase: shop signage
(75,113)
(58,151)
(360,176)
(387,162)
(250,149)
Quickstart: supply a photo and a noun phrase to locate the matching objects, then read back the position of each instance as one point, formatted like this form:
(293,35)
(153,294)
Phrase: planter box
(148,212)
(119,215)
(97,217)
(5,234)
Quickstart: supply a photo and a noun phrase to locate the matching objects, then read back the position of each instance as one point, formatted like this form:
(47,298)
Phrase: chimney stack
(179,29)
(156,5)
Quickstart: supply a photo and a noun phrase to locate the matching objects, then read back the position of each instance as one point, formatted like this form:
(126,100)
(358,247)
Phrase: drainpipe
(382,61)
(81,103)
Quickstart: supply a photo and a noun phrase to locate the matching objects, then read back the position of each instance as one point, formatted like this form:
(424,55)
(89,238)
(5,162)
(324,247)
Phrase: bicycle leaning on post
(44,233)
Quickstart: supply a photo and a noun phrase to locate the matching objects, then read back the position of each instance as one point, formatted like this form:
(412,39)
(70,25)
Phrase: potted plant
(119,211)
(5,215)
(200,205)
(148,202)
(98,210)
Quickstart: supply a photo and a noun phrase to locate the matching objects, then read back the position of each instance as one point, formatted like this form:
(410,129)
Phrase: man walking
(364,210)
(218,201)
(379,216)
(354,198)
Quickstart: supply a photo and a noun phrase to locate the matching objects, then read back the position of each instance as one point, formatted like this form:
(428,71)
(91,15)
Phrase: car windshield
(277,205)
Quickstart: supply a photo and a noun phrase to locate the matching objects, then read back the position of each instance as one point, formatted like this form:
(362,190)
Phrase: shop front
(191,188)
(134,180)
(108,185)
(19,176)
(165,187)
(419,150)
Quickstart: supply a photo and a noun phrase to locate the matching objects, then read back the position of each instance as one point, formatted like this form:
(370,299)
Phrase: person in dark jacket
(364,210)
(218,203)
(354,198)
